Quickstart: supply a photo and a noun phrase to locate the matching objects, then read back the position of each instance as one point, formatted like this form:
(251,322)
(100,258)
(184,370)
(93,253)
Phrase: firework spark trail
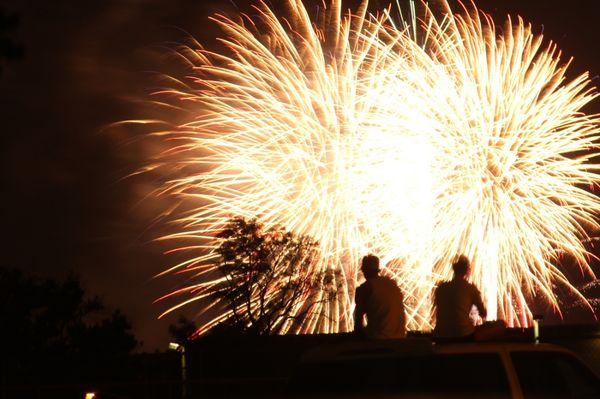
(412,141)
(521,127)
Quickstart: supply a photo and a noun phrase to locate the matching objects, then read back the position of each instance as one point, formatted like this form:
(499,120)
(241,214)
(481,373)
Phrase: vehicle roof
(360,349)
(369,348)
(480,347)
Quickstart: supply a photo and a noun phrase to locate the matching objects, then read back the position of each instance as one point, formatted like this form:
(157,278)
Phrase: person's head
(370,266)
(461,267)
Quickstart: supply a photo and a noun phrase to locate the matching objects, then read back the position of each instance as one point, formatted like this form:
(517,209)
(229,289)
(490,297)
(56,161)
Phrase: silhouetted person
(380,299)
(453,301)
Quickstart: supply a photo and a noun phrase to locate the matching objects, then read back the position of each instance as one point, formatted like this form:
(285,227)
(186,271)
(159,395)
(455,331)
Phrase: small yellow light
(90,395)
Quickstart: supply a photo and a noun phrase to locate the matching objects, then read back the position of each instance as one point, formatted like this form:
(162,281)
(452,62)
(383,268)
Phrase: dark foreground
(333,366)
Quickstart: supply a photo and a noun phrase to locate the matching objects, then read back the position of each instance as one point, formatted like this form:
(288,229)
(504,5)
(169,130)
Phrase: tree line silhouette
(52,332)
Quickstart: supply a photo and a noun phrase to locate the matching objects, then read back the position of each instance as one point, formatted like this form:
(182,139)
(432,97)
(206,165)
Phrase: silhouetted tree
(182,331)
(51,331)
(269,280)
(9,49)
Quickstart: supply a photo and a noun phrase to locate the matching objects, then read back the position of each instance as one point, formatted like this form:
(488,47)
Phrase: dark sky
(65,205)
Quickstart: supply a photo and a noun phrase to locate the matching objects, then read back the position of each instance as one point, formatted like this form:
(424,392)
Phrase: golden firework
(412,140)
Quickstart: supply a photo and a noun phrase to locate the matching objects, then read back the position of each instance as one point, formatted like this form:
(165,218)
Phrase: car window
(460,375)
(554,375)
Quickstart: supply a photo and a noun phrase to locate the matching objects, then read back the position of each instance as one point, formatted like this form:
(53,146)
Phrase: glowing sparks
(412,141)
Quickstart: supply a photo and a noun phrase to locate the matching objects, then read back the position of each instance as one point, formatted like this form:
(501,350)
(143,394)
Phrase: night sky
(66,204)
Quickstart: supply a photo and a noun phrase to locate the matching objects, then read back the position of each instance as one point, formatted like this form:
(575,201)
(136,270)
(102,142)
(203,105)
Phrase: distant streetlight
(536,327)
(90,395)
(181,349)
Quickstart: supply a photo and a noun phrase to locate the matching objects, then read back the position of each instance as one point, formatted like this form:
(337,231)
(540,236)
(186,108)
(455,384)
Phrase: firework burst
(415,141)
(523,149)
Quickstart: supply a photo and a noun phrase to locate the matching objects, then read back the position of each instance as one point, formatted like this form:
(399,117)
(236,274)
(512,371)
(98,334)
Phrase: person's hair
(461,266)
(370,265)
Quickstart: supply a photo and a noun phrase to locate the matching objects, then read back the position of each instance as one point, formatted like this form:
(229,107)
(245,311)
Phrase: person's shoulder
(472,286)
(362,287)
(444,283)
(386,279)
(364,290)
